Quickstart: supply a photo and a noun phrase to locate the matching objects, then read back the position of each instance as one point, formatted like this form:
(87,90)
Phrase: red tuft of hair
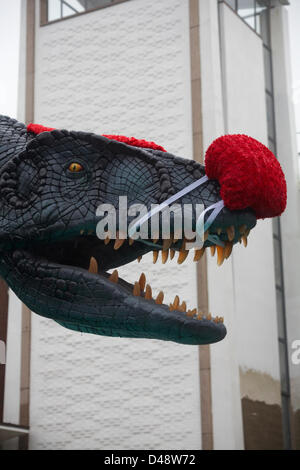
(38,129)
(249,174)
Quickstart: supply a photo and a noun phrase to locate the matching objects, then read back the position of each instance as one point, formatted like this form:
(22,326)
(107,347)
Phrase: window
(251,11)
(54,10)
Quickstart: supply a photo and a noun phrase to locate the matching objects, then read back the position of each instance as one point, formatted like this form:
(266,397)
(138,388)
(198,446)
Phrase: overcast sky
(9,55)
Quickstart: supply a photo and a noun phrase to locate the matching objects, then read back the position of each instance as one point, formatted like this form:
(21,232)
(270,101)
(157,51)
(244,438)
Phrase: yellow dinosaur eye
(75,167)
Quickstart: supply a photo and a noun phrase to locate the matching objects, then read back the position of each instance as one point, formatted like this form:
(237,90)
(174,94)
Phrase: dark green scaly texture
(48,230)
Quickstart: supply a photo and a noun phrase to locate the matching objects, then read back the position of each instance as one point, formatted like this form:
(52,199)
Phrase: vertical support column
(43,12)
(204,351)
(3,337)
(26,313)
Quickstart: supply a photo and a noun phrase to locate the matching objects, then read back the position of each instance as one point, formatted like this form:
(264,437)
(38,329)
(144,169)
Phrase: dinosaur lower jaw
(95,303)
(68,282)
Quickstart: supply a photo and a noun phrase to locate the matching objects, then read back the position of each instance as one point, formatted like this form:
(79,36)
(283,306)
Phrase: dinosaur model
(51,183)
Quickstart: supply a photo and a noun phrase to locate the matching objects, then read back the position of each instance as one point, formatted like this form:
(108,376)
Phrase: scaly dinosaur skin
(48,223)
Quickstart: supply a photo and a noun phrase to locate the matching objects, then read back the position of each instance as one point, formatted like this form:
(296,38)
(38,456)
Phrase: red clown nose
(249,174)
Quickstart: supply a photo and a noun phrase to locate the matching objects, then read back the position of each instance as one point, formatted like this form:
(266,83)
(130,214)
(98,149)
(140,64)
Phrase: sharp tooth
(142,281)
(243,229)
(221,255)
(139,259)
(182,256)
(136,289)
(114,277)
(160,298)
(176,302)
(119,242)
(93,267)
(167,244)
(164,256)
(191,313)
(230,233)
(219,231)
(155,256)
(148,293)
(182,307)
(228,249)
(198,254)
(245,240)
(131,241)
(172,253)
(213,250)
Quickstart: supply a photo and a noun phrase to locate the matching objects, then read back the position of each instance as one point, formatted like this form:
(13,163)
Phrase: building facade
(181,73)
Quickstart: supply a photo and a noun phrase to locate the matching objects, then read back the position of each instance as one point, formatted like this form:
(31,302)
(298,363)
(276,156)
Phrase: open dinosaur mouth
(86,252)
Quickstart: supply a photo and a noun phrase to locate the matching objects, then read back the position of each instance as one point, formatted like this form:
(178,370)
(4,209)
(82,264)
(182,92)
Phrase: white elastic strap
(167,203)
(202,226)
(217,207)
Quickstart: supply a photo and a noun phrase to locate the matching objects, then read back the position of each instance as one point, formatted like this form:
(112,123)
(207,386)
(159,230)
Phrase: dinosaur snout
(249,175)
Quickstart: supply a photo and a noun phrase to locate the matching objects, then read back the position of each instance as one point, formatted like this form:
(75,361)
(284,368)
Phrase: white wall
(287,154)
(125,70)
(243,290)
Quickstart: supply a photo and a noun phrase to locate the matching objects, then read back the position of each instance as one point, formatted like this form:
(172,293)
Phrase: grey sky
(9,55)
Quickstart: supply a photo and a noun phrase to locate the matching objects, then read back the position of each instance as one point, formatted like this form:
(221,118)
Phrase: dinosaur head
(52,183)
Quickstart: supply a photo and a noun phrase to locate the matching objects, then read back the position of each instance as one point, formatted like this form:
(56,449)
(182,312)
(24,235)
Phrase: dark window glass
(276,224)
(280,314)
(270,116)
(277,261)
(271,146)
(283,368)
(268,69)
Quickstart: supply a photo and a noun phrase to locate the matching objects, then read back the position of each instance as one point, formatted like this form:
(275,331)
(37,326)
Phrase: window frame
(44,12)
